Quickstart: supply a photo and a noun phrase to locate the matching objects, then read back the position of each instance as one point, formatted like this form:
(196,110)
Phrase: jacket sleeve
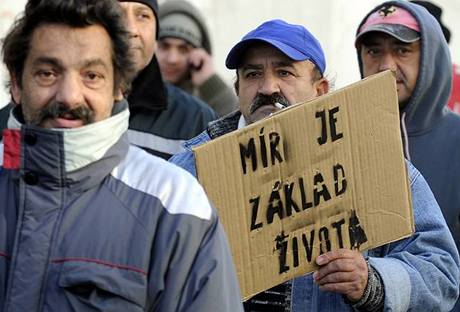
(218,95)
(190,266)
(212,284)
(420,273)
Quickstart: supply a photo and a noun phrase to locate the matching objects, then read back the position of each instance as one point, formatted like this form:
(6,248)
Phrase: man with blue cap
(279,64)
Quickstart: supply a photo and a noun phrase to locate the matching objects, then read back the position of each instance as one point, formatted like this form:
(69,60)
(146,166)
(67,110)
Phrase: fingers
(342,265)
(342,271)
(202,66)
(336,254)
(198,56)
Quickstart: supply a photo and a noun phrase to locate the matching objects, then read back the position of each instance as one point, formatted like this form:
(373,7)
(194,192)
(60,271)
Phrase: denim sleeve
(421,272)
(185,160)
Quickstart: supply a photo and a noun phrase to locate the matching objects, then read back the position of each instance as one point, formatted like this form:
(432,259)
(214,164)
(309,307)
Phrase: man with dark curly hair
(88,222)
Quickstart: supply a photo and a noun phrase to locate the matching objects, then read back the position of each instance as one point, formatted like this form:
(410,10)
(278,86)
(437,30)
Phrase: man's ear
(322,86)
(15,90)
(118,96)
(236,84)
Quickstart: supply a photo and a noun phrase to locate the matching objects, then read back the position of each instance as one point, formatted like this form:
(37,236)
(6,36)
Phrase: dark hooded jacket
(162,116)
(433,131)
(214,91)
(4,115)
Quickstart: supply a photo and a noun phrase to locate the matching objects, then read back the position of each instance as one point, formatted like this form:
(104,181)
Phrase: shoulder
(186,159)
(177,190)
(179,100)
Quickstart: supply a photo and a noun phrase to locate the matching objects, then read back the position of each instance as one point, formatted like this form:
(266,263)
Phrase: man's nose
(172,56)
(387,62)
(269,85)
(70,91)
(131,26)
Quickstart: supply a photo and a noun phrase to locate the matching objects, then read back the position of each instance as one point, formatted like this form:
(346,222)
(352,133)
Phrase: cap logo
(384,12)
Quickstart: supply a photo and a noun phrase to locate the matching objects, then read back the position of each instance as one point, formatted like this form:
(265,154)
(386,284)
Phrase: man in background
(405,38)
(162,116)
(185,56)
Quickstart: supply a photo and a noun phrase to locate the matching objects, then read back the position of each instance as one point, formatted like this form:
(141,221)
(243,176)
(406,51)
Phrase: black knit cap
(153,4)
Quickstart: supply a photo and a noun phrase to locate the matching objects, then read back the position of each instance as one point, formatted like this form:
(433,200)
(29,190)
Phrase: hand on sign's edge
(342,271)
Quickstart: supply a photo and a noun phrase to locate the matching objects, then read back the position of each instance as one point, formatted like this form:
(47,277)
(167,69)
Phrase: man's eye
(253,74)
(144,16)
(184,50)
(284,73)
(46,76)
(93,78)
(403,51)
(372,51)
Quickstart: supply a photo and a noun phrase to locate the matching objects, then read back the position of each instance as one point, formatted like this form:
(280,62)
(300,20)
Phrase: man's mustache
(262,99)
(60,110)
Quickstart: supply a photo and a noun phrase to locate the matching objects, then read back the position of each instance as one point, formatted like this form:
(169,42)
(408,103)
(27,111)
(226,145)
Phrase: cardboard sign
(318,176)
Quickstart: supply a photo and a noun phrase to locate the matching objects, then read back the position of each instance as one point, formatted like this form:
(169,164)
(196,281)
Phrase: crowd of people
(103,92)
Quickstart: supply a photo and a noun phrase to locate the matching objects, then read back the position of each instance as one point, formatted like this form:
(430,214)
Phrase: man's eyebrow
(275,64)
(43,60)
(142,9)
(56,63)
(252,66)
(95,62)
(284,64)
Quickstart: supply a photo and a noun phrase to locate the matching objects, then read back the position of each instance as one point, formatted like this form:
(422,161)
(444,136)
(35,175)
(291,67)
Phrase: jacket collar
(224,125)
(148,89)
(88,144)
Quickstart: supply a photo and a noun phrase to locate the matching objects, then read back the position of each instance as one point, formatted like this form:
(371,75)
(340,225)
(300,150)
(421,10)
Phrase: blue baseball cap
(295,41)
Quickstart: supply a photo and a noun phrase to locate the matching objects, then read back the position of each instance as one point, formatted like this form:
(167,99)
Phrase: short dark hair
(74,13)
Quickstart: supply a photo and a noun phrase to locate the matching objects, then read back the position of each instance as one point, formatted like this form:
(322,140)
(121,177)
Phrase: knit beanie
(181,26)
(186,8)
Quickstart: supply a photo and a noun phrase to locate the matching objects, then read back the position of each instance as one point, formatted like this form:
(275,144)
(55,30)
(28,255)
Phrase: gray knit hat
(189,10)
(181,26)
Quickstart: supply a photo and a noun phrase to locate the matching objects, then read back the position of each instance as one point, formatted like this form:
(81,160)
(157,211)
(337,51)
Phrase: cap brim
(236,53)
(400,32)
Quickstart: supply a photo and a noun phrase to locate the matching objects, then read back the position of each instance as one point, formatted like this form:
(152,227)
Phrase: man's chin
(403,100)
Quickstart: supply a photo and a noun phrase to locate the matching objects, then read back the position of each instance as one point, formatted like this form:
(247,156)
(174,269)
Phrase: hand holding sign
(342,271)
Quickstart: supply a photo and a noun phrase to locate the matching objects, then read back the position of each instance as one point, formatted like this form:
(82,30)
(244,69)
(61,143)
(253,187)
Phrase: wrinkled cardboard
(316,185)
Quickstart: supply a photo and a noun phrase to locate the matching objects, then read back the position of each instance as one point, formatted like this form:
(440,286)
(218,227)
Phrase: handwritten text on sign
(306,192)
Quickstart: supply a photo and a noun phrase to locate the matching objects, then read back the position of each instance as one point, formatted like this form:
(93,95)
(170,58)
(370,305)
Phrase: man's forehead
(50,41)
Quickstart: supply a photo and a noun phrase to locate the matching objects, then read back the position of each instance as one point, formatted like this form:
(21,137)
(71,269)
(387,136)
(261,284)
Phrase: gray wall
(334,23)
